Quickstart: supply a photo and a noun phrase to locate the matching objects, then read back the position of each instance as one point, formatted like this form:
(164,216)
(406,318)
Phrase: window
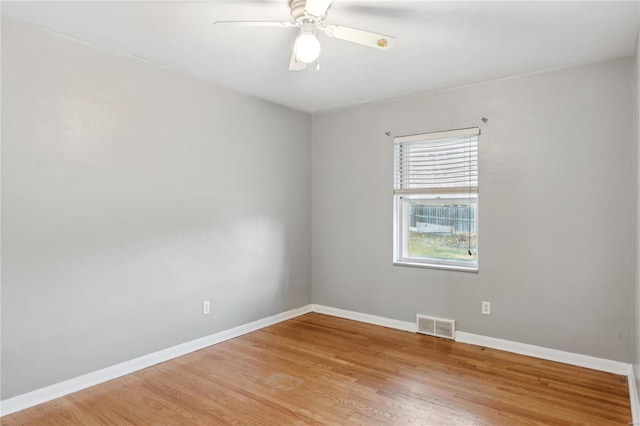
(435,200)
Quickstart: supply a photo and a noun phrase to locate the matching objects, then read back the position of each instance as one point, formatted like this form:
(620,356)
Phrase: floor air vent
(436,326)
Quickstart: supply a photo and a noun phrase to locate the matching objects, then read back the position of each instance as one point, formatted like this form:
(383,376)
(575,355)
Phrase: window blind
(437,163)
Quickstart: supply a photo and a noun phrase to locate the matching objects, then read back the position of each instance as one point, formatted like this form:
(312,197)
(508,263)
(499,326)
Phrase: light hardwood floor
(317,369)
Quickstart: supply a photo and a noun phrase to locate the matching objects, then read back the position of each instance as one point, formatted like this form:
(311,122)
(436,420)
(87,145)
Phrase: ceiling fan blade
(317,8)
(366,38)
(295,64)
(283,24)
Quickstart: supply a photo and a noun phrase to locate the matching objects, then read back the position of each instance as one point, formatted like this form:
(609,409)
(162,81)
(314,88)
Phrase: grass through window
(442,246)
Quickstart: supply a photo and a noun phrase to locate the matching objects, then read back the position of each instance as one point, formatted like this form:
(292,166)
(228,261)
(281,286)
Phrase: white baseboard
(579,360)
(586,361)
(634,396)
(58,390)
(48,393)
(370,319)
(601,364)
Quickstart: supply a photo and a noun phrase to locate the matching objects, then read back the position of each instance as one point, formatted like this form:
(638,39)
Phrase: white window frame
(402,199)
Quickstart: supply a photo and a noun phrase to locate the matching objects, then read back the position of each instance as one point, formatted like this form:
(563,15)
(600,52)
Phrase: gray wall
(131,194)
(636,361)
(556,210)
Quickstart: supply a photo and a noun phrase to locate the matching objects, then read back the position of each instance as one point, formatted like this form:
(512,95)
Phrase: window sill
(436,266)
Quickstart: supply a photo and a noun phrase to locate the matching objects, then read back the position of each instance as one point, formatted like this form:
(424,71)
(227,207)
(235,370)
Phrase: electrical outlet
(206,307)
(486,308)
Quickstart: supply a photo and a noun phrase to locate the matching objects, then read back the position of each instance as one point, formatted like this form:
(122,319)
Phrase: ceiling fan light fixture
(307,47)
(308,16)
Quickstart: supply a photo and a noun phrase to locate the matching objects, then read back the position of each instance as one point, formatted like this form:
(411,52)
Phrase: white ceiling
(439,44)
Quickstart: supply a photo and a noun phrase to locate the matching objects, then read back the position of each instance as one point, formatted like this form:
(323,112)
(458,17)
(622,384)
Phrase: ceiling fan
(308,16)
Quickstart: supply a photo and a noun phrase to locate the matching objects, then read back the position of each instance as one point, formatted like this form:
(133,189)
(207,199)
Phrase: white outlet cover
(206,307)
(486,308)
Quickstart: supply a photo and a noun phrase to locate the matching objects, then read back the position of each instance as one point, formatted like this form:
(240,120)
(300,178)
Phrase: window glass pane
(445,230)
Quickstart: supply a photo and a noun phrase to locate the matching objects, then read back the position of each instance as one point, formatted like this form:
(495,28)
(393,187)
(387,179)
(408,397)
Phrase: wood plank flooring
(321,370)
